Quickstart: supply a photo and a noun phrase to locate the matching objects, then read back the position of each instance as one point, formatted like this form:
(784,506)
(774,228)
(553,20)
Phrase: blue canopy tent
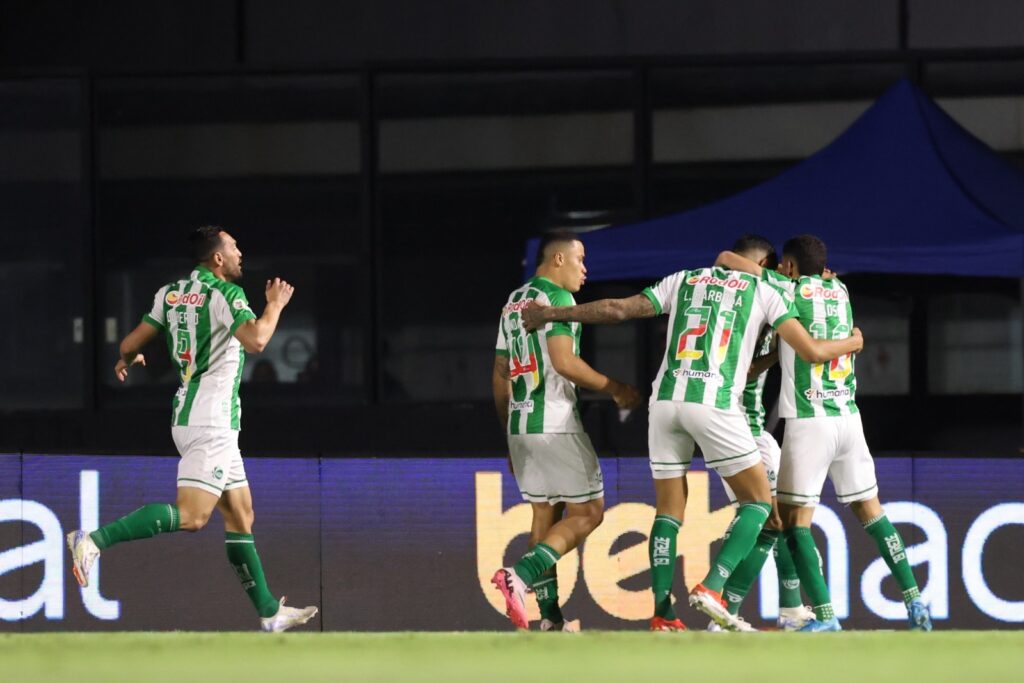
(904,189)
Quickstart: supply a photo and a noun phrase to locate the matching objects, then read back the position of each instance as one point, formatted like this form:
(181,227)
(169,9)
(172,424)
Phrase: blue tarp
(904,189)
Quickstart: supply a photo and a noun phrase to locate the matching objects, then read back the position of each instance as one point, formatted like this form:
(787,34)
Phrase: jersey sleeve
(236,312)
(156,316)
(776,302)
(501,346)
(559,298)
(663,292)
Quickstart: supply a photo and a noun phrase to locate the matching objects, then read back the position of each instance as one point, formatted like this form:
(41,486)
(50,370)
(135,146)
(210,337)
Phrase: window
(975,344)
(275,161)
(470,161)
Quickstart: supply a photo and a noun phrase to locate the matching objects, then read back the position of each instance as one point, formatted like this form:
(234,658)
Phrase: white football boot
(84,554)
(287,617)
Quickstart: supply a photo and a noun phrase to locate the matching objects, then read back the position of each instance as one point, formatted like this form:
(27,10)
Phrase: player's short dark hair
(808,251)
(552,237)
(750,242)
(204,242)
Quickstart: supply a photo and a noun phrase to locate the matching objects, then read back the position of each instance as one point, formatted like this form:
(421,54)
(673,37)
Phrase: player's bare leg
(580,520)
(893,551)
(670,508)
(235,507)
(754,495)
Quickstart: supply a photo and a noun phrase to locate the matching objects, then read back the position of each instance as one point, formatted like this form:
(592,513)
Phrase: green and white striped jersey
(715,316)
(199,317)
(818,389)
(753,393)
(543,402)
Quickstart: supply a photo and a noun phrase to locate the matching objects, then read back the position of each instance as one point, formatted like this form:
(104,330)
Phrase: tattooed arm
(501,384)
(608,311)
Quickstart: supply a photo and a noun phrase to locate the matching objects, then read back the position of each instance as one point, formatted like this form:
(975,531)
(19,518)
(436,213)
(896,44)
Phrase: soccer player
(824,434)
(793,614)
(715,316)
(535,380)
(207,322)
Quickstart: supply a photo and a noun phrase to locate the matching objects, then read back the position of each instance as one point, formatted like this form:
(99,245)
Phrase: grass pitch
(696,657)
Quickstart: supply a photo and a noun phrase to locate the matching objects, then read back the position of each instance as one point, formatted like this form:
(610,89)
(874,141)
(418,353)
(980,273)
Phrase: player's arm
(730,260)
(131,347)
(576,370)
(501,385)
(255,334)
(818,350)
(603,311)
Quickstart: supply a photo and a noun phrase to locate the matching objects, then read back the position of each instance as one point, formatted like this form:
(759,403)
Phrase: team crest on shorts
(218,473)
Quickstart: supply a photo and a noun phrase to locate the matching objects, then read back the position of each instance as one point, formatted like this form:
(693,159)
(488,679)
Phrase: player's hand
(859,336)
(533,316)
(627,397)
(279,291)
(121,368)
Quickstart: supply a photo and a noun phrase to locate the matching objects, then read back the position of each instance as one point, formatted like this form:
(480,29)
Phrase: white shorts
(556,468)
(771,455)
(818,446)
(210,459)
(723,436)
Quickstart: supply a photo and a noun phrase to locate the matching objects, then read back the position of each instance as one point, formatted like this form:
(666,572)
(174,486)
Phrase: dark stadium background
(391,158)
(314,131)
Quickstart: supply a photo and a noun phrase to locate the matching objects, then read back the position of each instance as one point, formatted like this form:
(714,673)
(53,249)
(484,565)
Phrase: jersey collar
(203,274)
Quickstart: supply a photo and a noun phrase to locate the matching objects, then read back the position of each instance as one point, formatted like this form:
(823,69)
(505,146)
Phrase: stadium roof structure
(905,189)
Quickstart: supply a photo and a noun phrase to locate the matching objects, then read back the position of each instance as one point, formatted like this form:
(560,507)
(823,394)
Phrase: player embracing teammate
(715,318)
(824,434)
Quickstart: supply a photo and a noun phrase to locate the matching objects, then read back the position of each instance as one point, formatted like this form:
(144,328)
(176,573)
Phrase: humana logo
(694,374)
(522,405)
(823,394)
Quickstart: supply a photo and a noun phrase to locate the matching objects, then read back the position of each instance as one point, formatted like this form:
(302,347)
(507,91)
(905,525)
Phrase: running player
(207,322)
(824,434)
(793,614)
(535,380)
(715,316)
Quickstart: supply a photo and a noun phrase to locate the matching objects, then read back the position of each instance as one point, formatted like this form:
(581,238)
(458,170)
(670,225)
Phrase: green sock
(146,522)
(738,542)
(739,583)
(243,557)
(545,589)
(662,551)
(789,580)
(805,557)
(534,563)
(890,545)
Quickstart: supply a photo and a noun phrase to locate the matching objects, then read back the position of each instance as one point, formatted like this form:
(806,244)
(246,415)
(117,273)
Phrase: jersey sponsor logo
(694,374)
(711,280)
(516,306)
(521,405)
(808,291)
(191,299)
(825,394)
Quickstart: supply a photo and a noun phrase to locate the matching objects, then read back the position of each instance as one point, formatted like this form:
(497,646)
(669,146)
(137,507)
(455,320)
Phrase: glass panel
(975,344)
(883,367)
(470,161)
(275,161)
(45,214)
